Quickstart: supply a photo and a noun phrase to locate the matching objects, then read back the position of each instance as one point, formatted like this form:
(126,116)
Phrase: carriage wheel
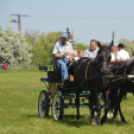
(43,104)
(57,106)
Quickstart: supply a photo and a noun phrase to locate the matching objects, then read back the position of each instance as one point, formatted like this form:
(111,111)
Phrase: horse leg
(115,113)
(91,109)
(118,108)
(115,104)
(122,94)
(106,108)
(98,108)
(77,103)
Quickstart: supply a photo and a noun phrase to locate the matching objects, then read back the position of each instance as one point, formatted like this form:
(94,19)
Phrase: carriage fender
(52,88)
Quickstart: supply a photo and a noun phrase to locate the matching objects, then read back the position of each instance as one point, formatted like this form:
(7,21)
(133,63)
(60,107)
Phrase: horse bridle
(97,62)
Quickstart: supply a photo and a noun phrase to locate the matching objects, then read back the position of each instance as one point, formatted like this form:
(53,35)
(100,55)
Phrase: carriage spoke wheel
(57,106)
(43,104)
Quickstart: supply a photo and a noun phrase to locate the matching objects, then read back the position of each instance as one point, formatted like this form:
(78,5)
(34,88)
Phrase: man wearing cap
(92,52)
(63,52)
(122,54)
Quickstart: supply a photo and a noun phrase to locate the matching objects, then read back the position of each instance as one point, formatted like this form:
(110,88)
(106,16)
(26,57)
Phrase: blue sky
(90,19)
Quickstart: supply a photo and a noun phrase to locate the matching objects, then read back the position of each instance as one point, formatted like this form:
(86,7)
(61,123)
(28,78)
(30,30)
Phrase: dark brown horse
(117,93)
(91,72)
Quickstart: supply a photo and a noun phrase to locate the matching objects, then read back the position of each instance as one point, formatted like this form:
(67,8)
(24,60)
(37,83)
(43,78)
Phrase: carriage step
(48,79)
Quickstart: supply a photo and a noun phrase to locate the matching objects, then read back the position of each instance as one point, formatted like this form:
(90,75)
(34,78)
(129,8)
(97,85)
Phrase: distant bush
(42,48)
(14,50)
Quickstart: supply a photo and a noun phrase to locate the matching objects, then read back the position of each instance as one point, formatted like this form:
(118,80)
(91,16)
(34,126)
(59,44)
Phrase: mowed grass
(19,90)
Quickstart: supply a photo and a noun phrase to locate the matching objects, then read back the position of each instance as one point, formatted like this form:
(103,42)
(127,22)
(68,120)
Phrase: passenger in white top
(122,54)
(93,51)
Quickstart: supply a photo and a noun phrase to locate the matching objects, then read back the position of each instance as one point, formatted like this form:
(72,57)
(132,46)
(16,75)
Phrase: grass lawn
(19,90)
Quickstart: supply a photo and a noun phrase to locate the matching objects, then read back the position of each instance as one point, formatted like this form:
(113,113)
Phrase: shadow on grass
(30,116)
(116,122)
(70,120)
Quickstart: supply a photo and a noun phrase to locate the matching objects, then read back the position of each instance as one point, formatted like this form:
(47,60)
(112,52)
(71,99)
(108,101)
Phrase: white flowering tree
(13,49)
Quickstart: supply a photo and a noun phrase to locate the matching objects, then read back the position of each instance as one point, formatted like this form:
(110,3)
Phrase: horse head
(104,57)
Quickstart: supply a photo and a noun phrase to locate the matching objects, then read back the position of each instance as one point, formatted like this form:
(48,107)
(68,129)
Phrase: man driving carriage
(63,53)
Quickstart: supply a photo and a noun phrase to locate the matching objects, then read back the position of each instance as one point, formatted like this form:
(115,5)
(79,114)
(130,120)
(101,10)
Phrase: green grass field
(19,90)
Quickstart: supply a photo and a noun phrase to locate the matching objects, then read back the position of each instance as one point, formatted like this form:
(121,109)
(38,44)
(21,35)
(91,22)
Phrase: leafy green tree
(80,46)
(14,50)
(129,47)
(42,49)
(32,36)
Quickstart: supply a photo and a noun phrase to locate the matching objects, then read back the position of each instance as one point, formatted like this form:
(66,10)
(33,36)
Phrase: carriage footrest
(48,79)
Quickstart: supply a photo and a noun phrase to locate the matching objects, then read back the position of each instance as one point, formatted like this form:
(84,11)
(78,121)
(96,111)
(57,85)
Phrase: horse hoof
(78,120)
(115,118)
(98,122)
(123,120)
(93,123)
(103,120)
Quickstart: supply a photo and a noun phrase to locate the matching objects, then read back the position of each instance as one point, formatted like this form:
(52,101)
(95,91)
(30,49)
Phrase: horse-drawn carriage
(56,93)
(91,80)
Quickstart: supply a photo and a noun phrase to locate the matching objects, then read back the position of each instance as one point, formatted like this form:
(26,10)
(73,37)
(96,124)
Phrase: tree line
(20,51)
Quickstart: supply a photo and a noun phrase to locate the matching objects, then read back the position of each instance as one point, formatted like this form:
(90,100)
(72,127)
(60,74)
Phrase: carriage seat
(115,65)
(57,68)
(51,78)
(57,71)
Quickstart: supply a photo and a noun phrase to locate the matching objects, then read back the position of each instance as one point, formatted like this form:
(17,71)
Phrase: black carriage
(57,93)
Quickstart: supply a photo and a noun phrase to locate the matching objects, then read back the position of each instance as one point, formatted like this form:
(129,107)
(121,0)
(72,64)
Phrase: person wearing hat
(63,52)
(122,54)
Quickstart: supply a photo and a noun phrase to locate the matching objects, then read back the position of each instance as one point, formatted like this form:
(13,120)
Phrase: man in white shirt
(122,54)
(93,51)
(63,52)
(112,57)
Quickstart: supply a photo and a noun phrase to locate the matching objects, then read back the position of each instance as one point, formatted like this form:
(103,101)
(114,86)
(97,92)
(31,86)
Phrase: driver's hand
(66,54)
